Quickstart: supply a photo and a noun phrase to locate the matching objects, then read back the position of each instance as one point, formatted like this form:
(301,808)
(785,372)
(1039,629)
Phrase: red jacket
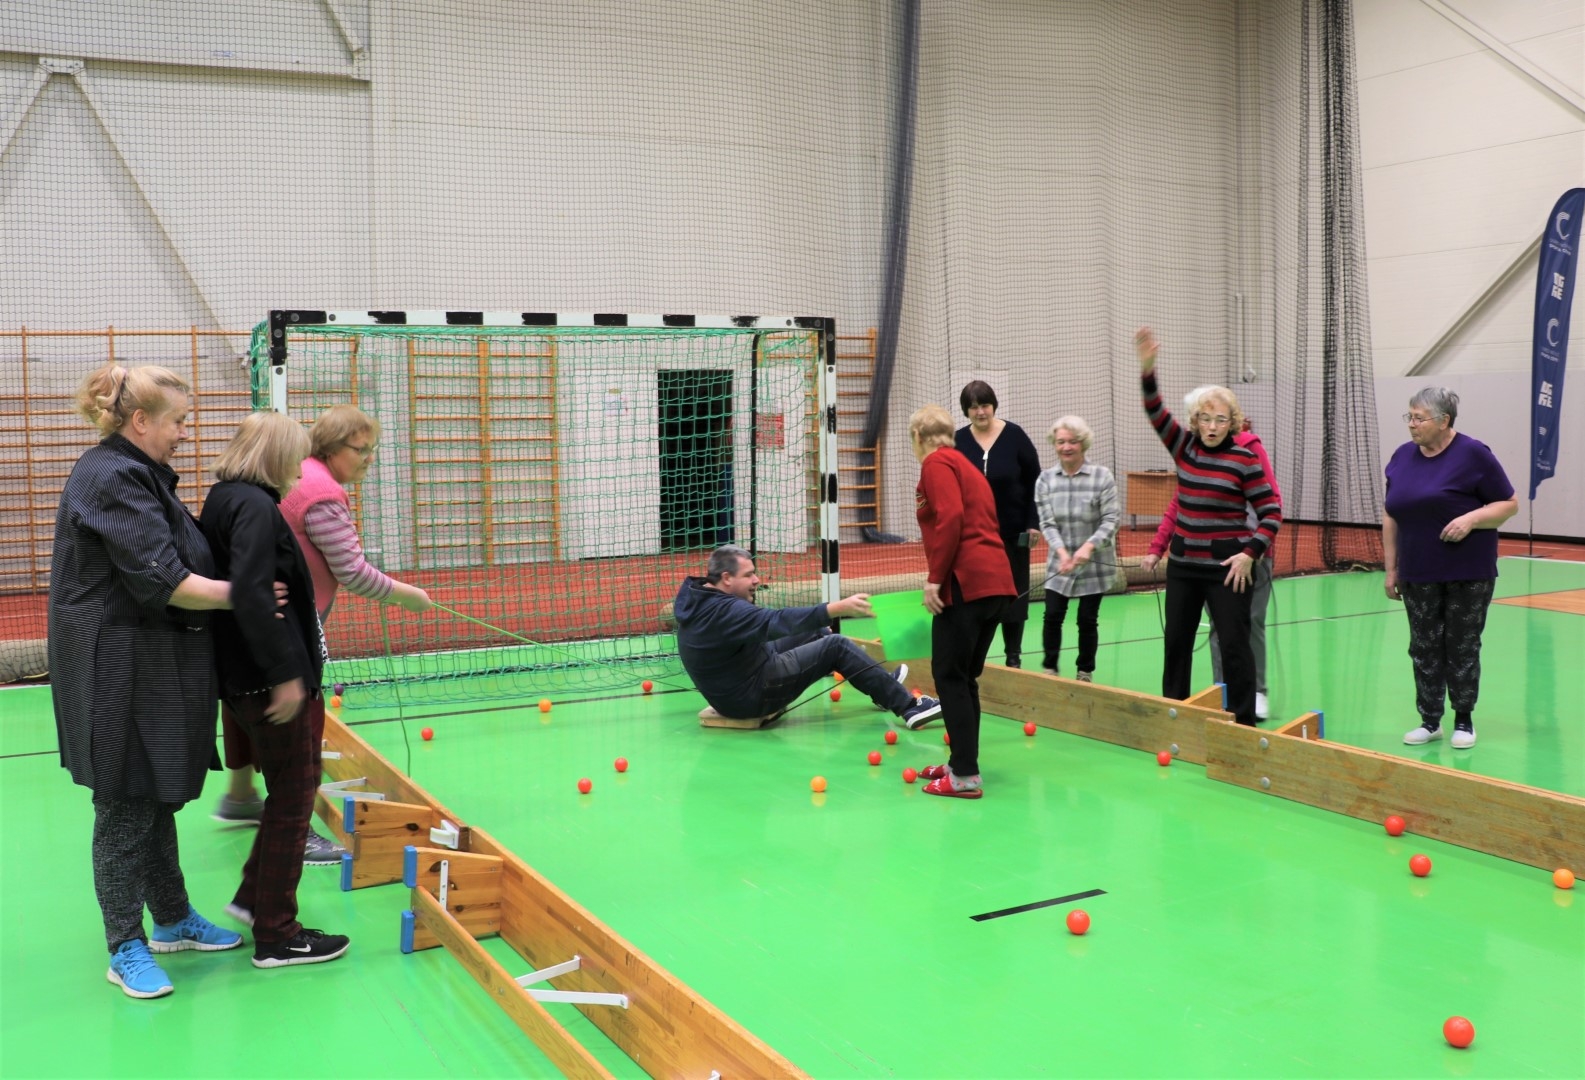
(957,515)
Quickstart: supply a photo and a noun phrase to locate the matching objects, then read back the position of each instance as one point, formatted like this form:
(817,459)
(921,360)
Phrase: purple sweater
(1425,493)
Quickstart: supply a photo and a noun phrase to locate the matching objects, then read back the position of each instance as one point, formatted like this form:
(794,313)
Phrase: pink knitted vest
(316,486)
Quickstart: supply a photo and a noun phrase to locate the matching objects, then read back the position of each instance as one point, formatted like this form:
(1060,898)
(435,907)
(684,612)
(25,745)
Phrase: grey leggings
(136,864)
(1445,623)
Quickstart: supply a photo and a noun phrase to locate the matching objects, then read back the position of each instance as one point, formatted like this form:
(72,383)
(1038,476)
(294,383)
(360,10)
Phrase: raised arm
(1173,435)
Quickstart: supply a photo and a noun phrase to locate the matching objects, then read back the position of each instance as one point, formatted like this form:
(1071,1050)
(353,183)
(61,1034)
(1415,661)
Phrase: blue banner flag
(1554,295)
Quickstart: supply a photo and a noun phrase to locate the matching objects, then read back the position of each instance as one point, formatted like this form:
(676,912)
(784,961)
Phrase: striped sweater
(1216,489)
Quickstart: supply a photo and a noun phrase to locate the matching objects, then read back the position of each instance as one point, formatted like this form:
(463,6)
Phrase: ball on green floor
(427,734)
(1420,866)
(647,686)
(621,764)
(910,775)
(544,704)
(585,786)
(1394,825)
(875,757)
(1458,1031)
(1563,877)
(1078,922)
(1164,757)
(1029,728)
(891,738)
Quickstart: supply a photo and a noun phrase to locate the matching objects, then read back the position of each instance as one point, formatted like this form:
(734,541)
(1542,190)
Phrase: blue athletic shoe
(134,970)
(193,932)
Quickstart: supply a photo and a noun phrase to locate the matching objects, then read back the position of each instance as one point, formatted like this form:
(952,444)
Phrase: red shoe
(932,772)
(943,786)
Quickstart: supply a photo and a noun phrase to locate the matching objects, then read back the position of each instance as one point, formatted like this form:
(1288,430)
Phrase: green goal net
(551,479)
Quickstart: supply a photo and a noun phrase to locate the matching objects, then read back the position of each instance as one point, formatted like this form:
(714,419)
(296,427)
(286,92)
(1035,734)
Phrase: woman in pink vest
(342,446)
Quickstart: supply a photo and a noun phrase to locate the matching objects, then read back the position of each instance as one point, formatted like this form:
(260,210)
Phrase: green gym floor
(1234,934)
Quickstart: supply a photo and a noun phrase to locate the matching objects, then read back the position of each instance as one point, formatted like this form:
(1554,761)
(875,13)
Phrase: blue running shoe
(134,970)
(193,932)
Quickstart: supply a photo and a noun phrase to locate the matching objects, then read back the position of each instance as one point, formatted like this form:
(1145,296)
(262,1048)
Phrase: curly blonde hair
(110,394)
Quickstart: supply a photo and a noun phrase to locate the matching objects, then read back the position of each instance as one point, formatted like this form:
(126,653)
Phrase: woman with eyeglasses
(1447,495)
(1211,558)
(342,443)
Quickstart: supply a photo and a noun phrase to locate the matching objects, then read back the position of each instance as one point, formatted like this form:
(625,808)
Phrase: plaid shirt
(1075,510)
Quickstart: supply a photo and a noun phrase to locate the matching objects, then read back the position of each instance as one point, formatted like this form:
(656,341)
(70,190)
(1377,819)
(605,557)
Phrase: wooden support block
(708,717)
(565,1052)
(1209,698)
(668,1030)
(358,758)
(1307,726)
(1528,825)
(1123,717)
(473,891)
(382,831)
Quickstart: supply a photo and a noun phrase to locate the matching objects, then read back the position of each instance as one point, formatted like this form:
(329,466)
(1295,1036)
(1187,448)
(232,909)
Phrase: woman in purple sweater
(1446,497)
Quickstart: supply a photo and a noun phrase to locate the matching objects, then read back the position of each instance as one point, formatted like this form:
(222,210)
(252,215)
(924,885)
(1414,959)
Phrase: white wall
(1472,123)
(1494,407)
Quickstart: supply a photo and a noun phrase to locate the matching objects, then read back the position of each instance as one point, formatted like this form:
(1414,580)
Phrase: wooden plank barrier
(1528,825)
(667,1028)
(1107,713)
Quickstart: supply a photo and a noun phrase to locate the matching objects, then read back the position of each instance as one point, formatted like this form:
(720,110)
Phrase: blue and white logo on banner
(1554,295)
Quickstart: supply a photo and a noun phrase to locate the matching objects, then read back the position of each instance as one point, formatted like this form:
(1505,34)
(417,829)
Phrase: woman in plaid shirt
(1077,502)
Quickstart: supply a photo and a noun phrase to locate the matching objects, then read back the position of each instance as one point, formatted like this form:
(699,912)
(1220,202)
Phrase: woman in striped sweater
(1212,556)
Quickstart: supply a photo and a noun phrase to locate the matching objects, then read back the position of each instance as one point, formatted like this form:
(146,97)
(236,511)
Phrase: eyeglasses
(361,451)
(1415,421)
(1207,420)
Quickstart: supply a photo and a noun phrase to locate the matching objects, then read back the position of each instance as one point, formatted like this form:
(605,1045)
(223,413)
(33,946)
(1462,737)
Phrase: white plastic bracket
(447,835)
(445,882)
(344,788)
(576,997)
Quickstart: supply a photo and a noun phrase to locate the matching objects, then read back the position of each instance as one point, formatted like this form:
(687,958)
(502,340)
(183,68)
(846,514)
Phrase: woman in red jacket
(969,586)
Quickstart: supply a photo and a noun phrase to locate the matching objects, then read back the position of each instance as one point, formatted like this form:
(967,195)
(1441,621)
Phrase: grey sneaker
(239,811)
(322,851)
(1084,676)
(240,913)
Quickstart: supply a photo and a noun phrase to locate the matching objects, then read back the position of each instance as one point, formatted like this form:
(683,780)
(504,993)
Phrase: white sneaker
(1463,738)
(1422,734)
(1262,707)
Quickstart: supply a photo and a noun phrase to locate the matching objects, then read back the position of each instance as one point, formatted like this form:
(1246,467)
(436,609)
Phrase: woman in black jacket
(270,671)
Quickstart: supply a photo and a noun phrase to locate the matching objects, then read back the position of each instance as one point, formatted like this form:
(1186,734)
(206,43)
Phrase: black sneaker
(921,712)
(308,947)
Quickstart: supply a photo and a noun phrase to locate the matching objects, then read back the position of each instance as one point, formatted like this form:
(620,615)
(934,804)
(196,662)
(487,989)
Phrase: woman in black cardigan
(270,670)
(1003,453)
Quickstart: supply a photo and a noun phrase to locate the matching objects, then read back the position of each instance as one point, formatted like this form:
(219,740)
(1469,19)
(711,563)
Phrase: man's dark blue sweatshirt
(725,642)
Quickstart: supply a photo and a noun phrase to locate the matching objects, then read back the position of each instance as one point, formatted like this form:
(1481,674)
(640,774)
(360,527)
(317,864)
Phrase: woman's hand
(1149,563)
(286,700)
(1146,347)
(1064,562)
(933,602)
(1457,529)
(411,597)
(1239,570)
(1392,586)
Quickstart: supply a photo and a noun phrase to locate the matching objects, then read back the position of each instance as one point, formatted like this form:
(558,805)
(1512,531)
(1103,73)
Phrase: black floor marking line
(1037,905)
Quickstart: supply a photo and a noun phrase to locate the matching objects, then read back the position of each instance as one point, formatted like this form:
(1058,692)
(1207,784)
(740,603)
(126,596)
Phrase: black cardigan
(254,548)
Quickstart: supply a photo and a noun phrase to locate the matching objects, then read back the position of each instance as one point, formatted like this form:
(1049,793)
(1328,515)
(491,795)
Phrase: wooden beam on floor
(668,1030)
(1528,825)
(565,1052)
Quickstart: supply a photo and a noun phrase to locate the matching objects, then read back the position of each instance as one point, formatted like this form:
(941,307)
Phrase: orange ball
(1164,758)
(335,701)
(544,704)
(647,686)
(837,675)
(1563,877)
(946,738)
(910,775)
(1394,825)
(1078,922)
(427,734)
(817,784)
(1029,728)
(891,738)
(585,786)
(1420,866)
(1458,1032)
(916,692)
(836,695)
(875,757)
(621,764)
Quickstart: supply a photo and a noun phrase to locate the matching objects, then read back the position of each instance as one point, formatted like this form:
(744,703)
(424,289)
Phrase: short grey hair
(1079,429)
(1439,400)
(724,560)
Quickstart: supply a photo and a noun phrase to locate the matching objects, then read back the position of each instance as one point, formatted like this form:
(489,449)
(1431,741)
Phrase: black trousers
(1089,628)
(1445,623)
(960,638)
(1017,612)
(1188,591)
